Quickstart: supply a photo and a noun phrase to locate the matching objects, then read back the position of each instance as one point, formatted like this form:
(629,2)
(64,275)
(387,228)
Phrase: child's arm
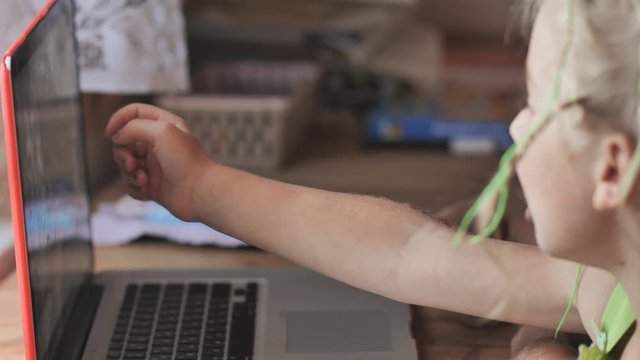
(371,243)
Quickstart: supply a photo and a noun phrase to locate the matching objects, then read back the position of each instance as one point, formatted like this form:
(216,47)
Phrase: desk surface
(439,335)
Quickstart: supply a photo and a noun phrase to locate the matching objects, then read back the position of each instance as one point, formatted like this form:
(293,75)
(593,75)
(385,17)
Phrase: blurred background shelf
(427,178)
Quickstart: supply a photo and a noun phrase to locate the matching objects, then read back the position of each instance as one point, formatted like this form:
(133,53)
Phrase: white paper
(125,46)
(131,46)
(128,219)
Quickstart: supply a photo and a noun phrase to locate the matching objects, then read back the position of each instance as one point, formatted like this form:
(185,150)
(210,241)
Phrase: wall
(469,19)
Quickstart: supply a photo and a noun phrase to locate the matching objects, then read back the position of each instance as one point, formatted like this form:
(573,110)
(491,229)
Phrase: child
(574,173)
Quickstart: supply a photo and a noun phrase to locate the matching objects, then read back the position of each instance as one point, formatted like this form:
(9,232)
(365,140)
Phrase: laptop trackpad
(337,331)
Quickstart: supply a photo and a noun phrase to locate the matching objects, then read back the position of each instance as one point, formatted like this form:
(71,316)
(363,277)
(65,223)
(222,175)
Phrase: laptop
(71,312)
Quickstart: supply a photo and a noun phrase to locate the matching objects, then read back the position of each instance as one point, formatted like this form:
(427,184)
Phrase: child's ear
(613,160)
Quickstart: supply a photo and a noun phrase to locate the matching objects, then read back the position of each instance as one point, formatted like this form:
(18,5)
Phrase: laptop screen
(52,171)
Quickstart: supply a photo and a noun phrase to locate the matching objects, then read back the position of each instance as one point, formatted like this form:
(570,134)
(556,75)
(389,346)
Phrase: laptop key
(220,290)
(207,352)
(141,331)
(215,336)
(162,350)
(241,335)
(188,347)
(161,357)
(165,335)
(150,288)
(116,346)
(240,292)
(169,312)
(163,342)
(134,355)
(139,339)
(168,319)
(192,340)
(188,332)
(191,327)
(187,356)
(136,347)
(117,337)
(197,288)
(142,323)
(167,327)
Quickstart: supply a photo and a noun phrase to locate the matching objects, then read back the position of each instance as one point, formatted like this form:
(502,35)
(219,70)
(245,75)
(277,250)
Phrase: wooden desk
(440,335)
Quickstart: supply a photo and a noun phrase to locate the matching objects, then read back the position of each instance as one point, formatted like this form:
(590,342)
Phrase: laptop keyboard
(186,322)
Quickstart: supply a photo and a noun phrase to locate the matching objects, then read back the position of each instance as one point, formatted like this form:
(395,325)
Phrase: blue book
(411,127)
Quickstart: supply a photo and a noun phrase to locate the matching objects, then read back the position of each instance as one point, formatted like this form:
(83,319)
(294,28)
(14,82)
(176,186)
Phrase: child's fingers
(140,148)
(130,178)
(127,113)
(124,158)
(142,178)
(141,163)
(137,179)
(141,111)
(140,130)
(139,186)
(137,192)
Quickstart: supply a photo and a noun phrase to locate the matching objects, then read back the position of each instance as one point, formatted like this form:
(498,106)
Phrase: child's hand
(158,156)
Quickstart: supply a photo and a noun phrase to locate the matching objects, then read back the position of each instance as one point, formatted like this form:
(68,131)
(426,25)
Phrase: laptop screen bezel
(13,62)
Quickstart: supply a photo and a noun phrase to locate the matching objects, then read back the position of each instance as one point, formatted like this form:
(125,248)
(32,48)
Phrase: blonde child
(574,170)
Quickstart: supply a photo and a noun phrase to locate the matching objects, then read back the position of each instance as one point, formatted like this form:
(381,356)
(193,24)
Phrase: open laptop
(70,312)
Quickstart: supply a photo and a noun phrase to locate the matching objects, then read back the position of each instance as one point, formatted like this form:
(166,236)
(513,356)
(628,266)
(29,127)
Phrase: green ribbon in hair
(499,185)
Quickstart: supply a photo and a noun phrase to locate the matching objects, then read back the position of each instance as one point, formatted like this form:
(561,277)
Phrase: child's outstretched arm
(371,243)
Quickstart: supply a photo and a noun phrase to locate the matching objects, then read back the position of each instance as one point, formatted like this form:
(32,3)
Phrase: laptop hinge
(78,326)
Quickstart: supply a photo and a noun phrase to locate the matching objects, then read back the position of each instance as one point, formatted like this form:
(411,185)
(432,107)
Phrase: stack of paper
(128,219)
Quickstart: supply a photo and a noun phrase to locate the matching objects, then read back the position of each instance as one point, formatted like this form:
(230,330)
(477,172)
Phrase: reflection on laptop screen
(52,172)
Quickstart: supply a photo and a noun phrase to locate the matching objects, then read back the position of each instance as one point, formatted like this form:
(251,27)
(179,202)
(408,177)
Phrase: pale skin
(571,177)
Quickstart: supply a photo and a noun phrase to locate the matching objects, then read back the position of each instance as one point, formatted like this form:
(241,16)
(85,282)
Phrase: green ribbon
(498,187)
(616,320)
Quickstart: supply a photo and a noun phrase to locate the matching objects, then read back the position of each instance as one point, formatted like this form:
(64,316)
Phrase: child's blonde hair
(603,69)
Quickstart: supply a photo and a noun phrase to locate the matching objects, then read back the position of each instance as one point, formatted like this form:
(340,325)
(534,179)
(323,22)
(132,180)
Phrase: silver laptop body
(299,314)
